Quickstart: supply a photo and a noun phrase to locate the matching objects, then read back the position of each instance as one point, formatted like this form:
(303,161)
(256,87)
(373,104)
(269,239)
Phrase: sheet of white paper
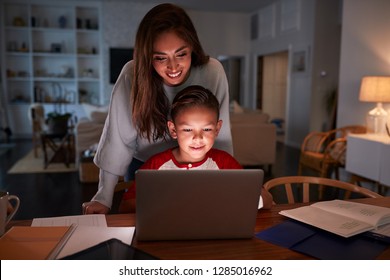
(97,220)
(87,236)
(261,204)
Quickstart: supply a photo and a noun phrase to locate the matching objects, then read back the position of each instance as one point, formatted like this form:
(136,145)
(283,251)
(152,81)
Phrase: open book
(341,217)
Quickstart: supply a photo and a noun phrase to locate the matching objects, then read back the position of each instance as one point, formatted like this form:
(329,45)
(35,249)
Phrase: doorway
(233,68)
(272,71)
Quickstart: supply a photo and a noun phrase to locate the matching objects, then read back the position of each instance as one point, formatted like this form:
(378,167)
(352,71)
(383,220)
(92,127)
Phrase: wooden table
(243,249)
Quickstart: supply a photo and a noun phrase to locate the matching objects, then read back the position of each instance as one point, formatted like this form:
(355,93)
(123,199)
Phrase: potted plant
(57,123)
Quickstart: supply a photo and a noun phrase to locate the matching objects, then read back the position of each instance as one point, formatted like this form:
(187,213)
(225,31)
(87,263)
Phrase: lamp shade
(375,89)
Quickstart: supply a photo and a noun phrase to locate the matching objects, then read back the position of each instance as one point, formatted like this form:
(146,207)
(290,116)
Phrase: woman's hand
(94,207)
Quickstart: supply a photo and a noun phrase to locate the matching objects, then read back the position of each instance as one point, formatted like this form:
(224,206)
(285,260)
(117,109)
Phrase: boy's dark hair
(193,96)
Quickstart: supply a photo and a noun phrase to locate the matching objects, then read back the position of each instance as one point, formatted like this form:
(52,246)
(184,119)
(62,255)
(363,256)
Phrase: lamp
(376,89)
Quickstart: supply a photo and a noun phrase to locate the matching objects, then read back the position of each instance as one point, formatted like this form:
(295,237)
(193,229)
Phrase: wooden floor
(58,194)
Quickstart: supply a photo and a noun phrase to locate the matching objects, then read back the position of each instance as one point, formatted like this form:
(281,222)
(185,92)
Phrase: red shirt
(215,159)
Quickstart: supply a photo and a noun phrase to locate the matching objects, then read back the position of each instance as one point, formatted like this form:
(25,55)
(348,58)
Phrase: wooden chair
(37,117)
(129,206)
(324,152)
(305,186)
(122,185)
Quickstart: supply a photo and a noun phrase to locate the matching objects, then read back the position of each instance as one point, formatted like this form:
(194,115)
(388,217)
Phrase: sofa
(87,135)
(254,138)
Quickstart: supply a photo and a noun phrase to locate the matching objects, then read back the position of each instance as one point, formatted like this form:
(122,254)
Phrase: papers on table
(98,220)
(90,230)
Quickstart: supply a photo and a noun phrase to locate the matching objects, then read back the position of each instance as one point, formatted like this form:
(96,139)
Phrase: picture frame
(299,61)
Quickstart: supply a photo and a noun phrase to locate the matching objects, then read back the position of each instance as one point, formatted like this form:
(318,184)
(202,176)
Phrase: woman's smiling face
(172,58)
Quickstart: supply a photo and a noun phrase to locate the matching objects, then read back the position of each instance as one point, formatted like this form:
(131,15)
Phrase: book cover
(321,244)
(32,243)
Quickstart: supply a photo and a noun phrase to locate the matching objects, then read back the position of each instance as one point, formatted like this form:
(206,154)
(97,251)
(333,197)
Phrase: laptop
(197,204)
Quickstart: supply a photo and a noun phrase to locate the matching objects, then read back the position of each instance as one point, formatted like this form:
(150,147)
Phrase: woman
(167,58)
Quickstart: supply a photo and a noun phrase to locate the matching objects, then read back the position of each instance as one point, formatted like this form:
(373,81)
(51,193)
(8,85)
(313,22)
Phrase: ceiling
(241,6)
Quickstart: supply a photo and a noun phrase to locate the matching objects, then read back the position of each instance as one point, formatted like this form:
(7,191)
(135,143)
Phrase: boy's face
(195,129)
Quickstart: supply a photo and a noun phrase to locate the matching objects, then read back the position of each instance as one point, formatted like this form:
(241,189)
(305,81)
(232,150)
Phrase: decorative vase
(62,21)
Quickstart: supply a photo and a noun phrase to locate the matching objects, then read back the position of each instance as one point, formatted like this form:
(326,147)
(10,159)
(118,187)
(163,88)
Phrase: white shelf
(47,48)
(50,43)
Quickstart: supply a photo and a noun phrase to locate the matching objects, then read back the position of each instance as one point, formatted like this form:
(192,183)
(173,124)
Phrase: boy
(195,125)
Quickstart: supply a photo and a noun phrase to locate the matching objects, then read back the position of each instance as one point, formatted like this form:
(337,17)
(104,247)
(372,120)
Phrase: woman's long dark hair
(149,104)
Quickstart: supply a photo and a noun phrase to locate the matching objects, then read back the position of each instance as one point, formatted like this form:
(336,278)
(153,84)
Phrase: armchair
(324,152)
(254,139)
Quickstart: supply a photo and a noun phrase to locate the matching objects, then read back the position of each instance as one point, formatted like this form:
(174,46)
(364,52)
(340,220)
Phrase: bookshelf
(51,54)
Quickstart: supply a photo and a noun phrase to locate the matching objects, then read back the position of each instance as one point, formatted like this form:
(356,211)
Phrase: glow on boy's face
(172,58)
(195,129)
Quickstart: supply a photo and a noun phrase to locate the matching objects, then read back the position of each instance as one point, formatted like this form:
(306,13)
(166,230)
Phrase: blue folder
(321,244)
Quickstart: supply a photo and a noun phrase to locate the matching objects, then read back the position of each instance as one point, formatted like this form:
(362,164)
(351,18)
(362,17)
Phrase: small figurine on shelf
(79,23)
(19,21)
(83,96)
(11,73)
(62,21)
(56,48)
(23,48)
(88,73)
(88,24)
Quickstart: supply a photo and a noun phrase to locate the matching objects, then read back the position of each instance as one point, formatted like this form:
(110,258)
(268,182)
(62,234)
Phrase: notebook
(197,204)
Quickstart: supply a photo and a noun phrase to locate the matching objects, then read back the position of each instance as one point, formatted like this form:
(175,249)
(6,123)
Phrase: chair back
(36,114)
(307,185)
(318,141)
(122,185)
(326,151)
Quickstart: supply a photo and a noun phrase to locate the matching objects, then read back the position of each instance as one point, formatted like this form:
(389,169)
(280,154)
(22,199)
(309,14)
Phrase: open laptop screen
(197,204)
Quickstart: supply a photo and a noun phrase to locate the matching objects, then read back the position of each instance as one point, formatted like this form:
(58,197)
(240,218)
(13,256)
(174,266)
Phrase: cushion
(235,107)
(98,117)
(249,117)
(89,109)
